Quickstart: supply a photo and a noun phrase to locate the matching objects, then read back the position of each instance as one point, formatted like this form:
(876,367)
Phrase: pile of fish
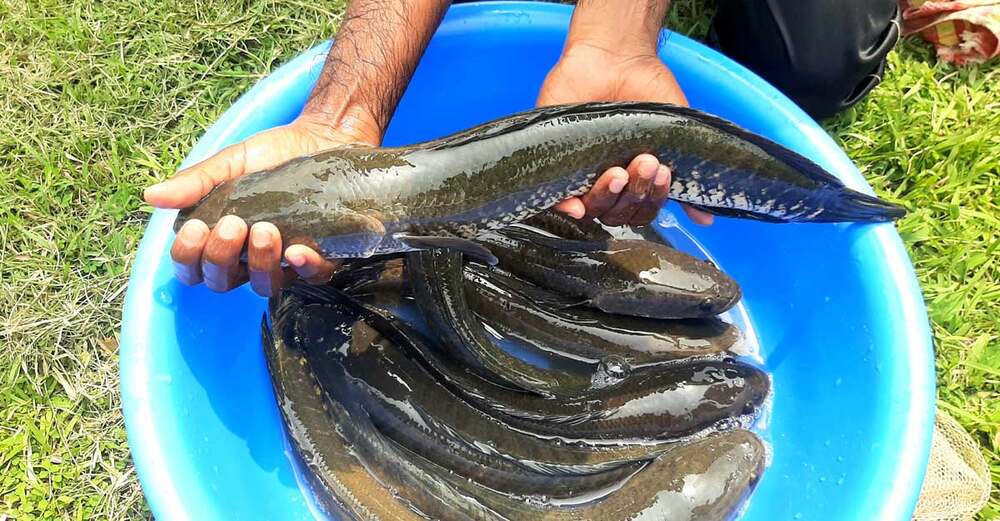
(584,377)
(517,364)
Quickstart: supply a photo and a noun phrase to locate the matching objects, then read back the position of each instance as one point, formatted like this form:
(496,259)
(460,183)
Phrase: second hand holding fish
(353,102)
(610,55)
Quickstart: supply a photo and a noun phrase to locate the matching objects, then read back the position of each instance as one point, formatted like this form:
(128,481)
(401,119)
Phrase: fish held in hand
(358,201)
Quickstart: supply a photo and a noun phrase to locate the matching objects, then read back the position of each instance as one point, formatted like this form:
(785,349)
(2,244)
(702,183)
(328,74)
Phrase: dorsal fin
(521,120)
(524,119)
(777,150)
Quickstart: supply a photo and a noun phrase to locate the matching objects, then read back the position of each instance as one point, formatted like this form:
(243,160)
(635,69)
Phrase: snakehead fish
(551,323)
(628,277)
(703,480)
(551,326)
(353,471)
(649,404)
(361,471)
(358,201)
(406,404)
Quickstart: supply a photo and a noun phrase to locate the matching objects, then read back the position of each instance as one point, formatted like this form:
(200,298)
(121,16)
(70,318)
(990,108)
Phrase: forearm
(370,64)
(618,26)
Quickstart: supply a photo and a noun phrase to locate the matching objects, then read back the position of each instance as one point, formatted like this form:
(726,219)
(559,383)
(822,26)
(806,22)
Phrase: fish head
(673,295)
(733,389)
(661,282)
(331,228)
(758,385)
(300,203)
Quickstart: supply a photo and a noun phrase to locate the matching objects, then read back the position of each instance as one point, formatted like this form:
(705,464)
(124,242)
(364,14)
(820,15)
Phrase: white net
(957,484)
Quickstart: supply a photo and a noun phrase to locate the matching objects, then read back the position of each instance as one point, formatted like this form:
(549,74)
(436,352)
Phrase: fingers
(213,257)
(697,216)
(264,260)
(309,265)
(641,171)
(605,192)
(220,263)
(647,211)
(190,185)
(186,251)
(572,207)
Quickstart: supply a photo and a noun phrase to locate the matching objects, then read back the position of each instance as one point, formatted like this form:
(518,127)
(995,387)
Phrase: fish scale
(361,471)
(600,414)
(364,201)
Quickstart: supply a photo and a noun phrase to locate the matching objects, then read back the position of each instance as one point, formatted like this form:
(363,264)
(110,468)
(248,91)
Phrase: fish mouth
(758,388)
(730,297)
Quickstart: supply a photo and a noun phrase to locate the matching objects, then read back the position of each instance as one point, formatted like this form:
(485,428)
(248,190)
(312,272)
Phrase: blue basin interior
(836,308)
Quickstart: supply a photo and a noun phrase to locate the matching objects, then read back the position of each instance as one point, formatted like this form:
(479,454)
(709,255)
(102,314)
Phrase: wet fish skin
(355,274)
(436,279)
(663,403)
(707,479)
(452,413)
(350,468)
(627,277)
(562,225)
(649,404)
(410,409)
(550,323)
(358,201)
(728,465)
(587,229)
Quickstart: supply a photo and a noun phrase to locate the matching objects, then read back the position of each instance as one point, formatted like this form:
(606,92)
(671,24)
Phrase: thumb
(190,185)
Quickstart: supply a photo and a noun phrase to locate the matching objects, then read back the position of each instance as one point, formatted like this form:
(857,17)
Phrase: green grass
(929,137)
(98,101)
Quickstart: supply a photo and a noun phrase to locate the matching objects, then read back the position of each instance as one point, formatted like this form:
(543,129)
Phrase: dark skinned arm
(374,55)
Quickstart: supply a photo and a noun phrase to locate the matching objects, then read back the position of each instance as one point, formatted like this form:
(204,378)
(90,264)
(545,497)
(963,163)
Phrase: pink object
(966,31)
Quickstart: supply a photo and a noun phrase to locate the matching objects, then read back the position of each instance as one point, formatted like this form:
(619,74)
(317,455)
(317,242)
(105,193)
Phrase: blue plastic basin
(836,308)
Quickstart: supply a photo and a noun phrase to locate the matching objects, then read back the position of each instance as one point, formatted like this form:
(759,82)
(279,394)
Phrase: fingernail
(192,233)
(647,169)
(261,238)
(154,190)
(617,185)
(662,176)
(229,227)
(296,259)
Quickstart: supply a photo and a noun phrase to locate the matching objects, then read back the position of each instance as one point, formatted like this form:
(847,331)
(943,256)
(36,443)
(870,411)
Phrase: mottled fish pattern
(358,202)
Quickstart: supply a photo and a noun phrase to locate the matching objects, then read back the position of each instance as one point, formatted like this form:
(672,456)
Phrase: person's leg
(824,54)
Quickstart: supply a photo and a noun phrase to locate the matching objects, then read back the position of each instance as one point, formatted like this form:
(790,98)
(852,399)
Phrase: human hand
(213,256)
(589,71)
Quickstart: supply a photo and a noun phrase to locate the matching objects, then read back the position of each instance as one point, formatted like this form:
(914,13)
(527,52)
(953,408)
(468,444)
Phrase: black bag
(824,54)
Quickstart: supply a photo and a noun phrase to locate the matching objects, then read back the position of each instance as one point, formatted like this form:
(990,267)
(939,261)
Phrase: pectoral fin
(429,242)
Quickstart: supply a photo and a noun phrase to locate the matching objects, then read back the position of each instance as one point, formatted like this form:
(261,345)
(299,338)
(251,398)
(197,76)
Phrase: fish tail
(852,206)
